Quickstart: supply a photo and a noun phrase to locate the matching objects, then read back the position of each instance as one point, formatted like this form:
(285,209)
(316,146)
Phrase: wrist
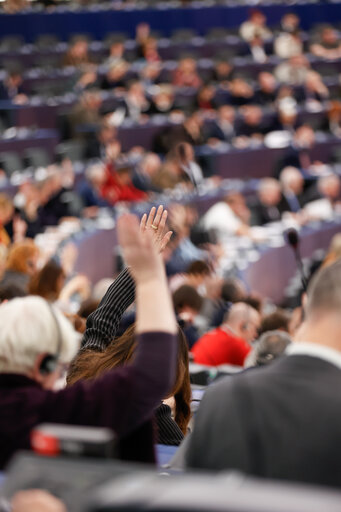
(150,278)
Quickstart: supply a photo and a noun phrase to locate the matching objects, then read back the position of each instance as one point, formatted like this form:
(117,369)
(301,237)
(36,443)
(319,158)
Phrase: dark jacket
(262,214)
(282,421)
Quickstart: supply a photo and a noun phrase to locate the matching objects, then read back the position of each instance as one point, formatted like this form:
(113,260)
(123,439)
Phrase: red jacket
(220,347)
(113,191)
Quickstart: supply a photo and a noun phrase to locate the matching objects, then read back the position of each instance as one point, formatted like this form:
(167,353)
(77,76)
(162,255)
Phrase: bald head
(324,292)
(243,320)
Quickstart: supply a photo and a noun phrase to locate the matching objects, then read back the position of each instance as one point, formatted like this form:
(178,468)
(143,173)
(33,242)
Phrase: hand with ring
(155,222)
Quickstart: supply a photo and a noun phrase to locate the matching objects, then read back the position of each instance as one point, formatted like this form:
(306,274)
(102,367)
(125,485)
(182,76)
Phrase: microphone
(293,240)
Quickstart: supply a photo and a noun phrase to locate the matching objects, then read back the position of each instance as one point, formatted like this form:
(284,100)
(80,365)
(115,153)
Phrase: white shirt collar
(314,350)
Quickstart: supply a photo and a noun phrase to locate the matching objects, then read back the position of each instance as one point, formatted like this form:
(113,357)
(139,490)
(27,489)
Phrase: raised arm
(125,397)
(102,324)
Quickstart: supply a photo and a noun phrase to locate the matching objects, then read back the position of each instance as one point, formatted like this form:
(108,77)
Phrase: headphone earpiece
(48,364)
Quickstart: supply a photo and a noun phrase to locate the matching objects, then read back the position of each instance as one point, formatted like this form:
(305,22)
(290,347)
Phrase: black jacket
(282,421)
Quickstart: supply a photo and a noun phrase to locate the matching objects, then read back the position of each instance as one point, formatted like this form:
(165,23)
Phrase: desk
(47,139)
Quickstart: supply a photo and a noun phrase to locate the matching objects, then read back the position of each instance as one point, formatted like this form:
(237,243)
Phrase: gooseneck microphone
(293,240)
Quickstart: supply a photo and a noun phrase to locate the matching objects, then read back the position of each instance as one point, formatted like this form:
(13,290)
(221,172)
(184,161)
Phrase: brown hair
(20,254)
(186,295)
(46,282)
(89,365)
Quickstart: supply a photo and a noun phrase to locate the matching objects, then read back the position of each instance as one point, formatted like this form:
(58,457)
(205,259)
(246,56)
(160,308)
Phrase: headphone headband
(49,362)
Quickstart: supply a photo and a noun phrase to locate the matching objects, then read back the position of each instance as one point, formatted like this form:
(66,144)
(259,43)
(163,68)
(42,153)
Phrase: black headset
(49,363)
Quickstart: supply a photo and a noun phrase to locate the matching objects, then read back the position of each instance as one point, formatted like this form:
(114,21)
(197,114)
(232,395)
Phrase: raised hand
(140,251)
(155,223)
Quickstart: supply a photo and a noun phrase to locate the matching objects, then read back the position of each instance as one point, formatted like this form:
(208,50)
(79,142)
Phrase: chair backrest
(11,162)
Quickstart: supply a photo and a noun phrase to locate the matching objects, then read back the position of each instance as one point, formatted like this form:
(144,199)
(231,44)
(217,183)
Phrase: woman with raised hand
(110,352)
(124,398)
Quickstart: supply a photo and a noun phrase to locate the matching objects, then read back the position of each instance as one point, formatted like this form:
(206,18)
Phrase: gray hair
(28,328)
(268,347)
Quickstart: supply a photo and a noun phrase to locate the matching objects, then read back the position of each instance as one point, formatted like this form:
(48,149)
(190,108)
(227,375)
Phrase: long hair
(89,365)
(47,282)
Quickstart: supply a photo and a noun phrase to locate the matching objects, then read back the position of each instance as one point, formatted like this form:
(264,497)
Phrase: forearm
(102,324)
(154,370)
(154,307)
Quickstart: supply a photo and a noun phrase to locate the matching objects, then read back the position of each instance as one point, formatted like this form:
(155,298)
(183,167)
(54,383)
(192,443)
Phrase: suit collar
(314,350)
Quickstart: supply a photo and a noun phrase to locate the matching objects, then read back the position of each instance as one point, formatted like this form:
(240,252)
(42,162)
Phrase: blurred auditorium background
(226,112)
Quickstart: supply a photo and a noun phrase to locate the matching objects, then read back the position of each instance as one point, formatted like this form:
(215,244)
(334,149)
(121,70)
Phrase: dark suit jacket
(262,214)
(282,421)
(215,131)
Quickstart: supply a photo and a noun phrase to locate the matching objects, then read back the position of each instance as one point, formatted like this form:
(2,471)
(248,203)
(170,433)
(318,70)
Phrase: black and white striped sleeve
(102,324)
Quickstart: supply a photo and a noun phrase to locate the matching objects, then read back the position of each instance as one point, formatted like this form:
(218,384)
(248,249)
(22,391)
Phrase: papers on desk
(320,209)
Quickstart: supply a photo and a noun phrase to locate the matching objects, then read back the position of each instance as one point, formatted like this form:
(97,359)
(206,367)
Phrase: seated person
(286,116)
(269,205)
(257,49)
(267,91)
(252,124)
(39,341)
(313,91)
(323,198)
(136,104)
(78,54)
(141,36)
(297,155)
(86,79)
(116,76)
(270,346)
(191,171)
(116,54)
(163,100)
(241,93)
(231,342)
(144,172)
(186,74)
(222,72)
(278,320)
(21,265)
(292,183)
(293,71)
(90,190)
(187,305)
(223,128)
(150,51)
(12,88)
(328,46)
(290,22)
(205,99)
(118,186)
(229,217)
(190,131)
(288,44)
(255,25)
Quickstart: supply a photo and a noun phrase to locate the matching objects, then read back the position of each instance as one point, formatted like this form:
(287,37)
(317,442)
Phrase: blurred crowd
(178,299)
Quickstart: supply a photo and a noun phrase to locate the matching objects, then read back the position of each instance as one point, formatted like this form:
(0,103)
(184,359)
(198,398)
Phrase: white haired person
(36,342)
